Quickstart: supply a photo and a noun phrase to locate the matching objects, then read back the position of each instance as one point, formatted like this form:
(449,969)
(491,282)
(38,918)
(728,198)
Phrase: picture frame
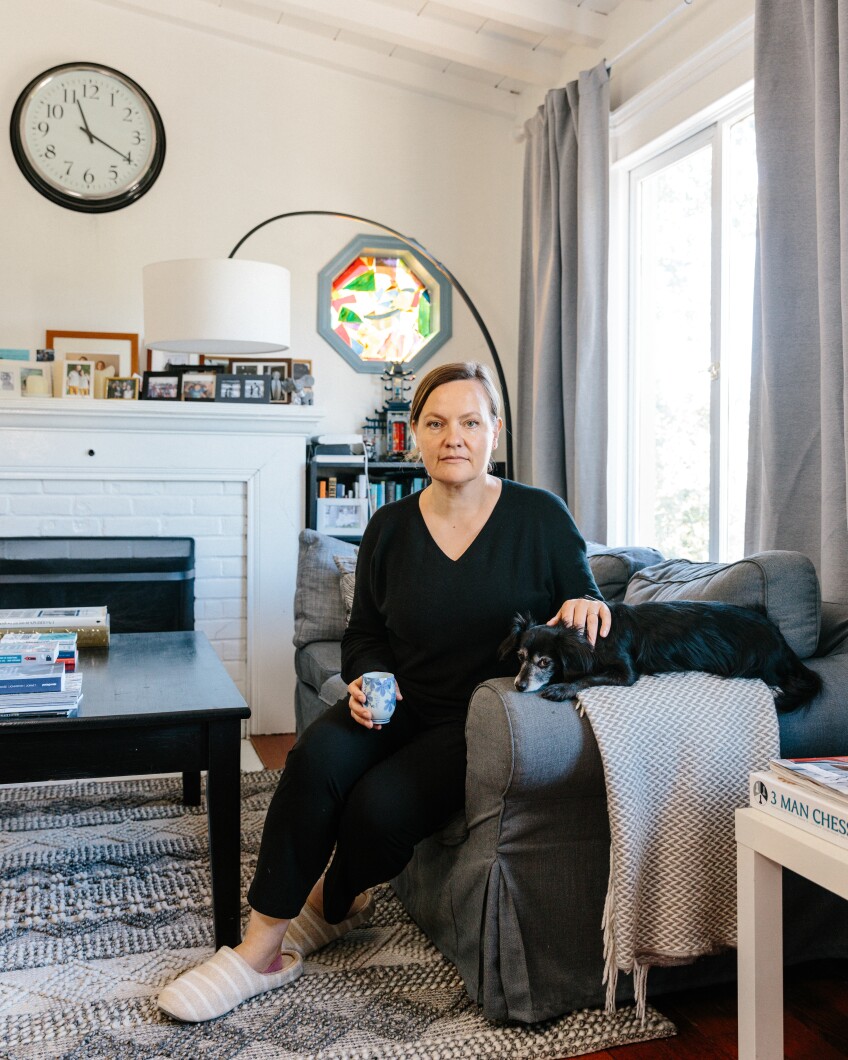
(280,370)
(341,516)
(36,379)
(221,364)
(77,378)
(161,361)
(198,386)
(160,386)
(300,367)
(10,380)
(122,387)
(252,389)
(116,351)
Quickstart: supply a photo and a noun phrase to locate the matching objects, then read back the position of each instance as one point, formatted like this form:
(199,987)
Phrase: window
(692,219)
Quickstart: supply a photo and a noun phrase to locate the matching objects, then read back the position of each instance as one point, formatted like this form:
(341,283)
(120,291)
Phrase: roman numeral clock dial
(87,137)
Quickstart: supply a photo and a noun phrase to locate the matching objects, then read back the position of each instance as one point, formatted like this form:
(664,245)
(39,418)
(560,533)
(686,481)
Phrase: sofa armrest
(521,746)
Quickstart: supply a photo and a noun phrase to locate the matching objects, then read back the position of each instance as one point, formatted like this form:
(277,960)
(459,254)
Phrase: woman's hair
(451,373)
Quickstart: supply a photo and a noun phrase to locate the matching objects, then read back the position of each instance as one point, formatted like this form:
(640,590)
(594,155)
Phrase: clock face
(87,137)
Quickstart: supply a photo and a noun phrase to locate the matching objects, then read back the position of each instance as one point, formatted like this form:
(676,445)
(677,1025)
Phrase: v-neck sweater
(437,623)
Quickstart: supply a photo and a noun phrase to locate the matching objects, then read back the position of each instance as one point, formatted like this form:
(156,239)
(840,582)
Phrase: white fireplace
(230,476)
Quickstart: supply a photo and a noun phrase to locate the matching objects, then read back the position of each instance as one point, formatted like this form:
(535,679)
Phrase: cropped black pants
(371,795)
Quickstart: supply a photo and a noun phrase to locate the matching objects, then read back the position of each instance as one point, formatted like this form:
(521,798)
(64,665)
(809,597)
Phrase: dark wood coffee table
(152,703)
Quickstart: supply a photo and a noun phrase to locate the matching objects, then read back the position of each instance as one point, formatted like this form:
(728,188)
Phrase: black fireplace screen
(147,583)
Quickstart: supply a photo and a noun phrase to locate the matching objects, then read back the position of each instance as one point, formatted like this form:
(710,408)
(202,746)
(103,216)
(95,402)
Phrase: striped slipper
(224,981)
(309,931)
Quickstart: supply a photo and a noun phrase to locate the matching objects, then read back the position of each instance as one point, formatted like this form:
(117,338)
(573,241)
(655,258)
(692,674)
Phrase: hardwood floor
(815,998)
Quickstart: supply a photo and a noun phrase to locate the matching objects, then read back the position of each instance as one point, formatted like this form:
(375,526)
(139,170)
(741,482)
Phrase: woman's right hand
(358,711)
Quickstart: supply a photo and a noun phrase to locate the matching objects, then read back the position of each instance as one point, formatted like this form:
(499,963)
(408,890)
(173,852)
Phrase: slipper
(215,987)
(309,931)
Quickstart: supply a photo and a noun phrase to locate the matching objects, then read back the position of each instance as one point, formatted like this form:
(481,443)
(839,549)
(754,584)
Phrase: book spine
(21,685)
(27,657)
(826,818)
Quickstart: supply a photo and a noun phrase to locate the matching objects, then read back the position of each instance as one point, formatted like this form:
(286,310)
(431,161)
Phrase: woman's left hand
(592,616)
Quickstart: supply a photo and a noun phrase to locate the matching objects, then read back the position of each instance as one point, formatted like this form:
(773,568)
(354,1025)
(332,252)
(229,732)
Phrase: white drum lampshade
(217,306)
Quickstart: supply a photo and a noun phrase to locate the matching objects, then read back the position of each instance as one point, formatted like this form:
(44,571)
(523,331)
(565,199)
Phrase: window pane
(672,333)
(740,235)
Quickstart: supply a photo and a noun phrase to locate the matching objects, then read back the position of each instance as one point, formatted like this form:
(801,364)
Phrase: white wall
(249,134)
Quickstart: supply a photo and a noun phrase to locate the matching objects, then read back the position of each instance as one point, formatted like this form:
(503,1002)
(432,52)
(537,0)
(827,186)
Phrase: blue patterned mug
(380,695)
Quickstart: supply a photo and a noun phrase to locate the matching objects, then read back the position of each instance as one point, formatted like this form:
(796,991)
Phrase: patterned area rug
(105,897)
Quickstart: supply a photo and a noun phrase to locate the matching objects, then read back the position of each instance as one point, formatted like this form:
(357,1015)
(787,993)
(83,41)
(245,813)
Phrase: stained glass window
(378,305)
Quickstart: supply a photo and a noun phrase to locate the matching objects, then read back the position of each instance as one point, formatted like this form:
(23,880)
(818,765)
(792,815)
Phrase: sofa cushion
(783,584)
(318,608)
(347,582)
(613,568)
(317,662)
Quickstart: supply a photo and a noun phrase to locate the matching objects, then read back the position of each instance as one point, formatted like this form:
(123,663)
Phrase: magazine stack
(38,675)
(809,792)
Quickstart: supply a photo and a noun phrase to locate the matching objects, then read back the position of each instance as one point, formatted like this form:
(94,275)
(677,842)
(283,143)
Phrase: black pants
(371,794)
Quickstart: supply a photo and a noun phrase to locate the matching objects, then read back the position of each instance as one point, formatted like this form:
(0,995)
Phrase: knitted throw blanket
(677,750)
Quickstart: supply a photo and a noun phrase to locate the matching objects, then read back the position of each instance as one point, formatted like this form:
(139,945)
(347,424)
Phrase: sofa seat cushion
(318,608)
(613,568)
(783,584)
(317,662)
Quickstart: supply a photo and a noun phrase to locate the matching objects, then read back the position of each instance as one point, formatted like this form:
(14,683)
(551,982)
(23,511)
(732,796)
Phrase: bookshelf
(345,516)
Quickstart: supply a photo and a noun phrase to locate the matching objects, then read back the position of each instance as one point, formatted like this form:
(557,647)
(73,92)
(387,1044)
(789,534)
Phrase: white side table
(764,847)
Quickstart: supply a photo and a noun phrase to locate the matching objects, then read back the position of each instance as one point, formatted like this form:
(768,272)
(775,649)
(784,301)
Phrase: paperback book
(17,680)
(49,704)
(39,647)
(827,776)
(91,624)
(808,808)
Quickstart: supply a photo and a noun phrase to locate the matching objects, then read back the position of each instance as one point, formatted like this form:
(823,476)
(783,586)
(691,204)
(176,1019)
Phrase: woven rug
(105,897)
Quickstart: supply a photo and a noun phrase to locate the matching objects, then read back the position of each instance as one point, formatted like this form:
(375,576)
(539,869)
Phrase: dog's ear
(520,623)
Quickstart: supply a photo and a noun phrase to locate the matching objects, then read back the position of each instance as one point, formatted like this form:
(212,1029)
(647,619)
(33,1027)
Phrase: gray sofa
(512,893)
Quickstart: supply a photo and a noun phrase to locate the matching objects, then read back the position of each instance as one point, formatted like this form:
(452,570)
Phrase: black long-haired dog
(656,638)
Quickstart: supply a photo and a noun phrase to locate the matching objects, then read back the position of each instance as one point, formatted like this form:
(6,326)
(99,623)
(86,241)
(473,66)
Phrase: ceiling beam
(207,17)
(430,36)
(561,23)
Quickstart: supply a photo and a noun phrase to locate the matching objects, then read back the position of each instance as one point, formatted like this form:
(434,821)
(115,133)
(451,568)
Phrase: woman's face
(456,433)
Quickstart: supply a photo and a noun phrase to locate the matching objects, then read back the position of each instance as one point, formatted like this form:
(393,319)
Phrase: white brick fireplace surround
(230,476)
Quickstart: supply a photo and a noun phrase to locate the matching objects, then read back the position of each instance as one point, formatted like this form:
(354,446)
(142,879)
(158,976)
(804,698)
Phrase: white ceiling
(486,53)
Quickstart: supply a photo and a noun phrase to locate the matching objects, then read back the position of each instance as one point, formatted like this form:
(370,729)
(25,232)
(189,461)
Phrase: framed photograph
(113,353)
(221,364)
(300,368)
(342,516)
(77,378)
(36,380)
(123,387)
(45,355)
(251,388)
(280,371)
(10,379)
(198,386)
(160,386)
(246,367)
(160,361)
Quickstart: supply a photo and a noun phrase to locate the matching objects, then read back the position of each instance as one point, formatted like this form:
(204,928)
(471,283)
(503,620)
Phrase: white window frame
(711,125)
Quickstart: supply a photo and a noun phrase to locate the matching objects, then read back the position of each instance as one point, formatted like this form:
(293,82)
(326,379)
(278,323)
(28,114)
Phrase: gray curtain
(562,355)
(797,451)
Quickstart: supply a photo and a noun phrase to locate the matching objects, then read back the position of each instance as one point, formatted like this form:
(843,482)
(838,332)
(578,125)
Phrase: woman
(439,576)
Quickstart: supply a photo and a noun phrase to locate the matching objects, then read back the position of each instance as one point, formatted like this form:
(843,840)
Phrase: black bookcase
(345,516)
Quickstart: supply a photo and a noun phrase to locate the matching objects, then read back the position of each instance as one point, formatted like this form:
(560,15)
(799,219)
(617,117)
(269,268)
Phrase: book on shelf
(91,624)
(63,703)
(826,776)
(810,809)
(18,680)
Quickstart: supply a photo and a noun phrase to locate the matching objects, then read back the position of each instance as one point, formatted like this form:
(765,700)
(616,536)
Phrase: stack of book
(90,624)
(38,675)
(809,792)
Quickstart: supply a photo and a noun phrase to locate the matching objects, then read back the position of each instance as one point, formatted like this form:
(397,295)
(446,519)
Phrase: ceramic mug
(380,695)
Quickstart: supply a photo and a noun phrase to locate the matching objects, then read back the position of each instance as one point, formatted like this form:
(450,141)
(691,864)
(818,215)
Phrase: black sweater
(436,623)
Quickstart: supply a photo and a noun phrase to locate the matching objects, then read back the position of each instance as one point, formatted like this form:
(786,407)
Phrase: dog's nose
(520,686)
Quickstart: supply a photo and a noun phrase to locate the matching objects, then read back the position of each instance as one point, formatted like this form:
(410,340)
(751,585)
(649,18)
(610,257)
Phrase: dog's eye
(522,653)
(544,661)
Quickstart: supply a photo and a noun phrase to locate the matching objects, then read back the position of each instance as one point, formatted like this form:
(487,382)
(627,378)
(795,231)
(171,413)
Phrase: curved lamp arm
(413,244)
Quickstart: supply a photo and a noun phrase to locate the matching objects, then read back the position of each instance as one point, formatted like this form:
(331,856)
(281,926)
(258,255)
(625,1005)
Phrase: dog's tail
(798,685)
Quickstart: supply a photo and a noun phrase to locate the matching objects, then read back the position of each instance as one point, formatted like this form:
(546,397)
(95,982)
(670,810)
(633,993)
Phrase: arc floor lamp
(240,307)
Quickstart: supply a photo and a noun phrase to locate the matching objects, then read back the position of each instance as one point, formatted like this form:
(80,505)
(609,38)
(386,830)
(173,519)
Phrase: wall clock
(87,137)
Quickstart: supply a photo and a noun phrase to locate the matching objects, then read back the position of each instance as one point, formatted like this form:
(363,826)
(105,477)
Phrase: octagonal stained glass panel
(378,304)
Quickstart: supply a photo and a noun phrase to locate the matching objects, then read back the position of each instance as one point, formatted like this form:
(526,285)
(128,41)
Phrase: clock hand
(86,130)
(126,158)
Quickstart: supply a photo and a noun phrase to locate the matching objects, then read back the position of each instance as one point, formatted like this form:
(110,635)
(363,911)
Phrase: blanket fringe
(640,989)
(608,928)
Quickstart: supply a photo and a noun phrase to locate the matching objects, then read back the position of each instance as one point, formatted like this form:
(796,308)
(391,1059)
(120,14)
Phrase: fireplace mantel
(262,447)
